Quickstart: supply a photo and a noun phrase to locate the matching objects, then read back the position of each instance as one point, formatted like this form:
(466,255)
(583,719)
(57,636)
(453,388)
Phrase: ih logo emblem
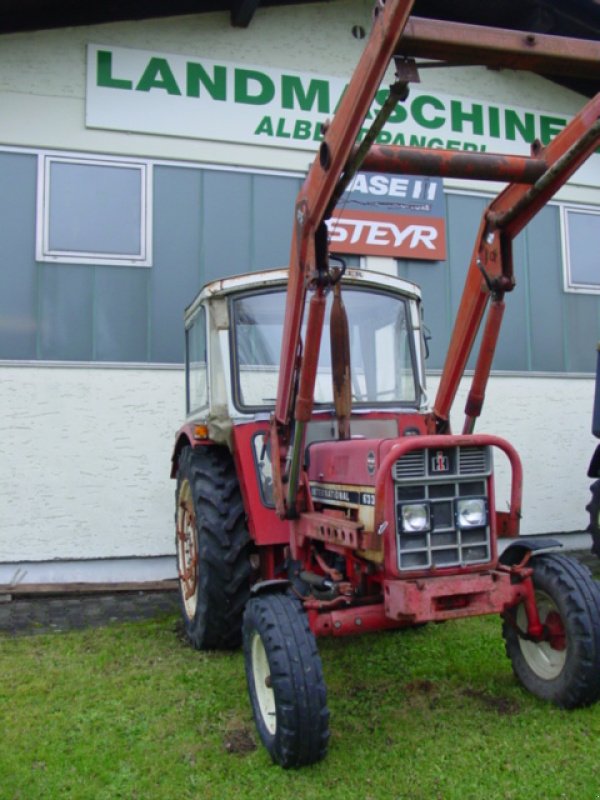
(440,462)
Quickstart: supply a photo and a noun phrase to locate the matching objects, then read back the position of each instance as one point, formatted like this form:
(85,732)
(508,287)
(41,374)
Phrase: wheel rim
(262,684)
(187,550)
(546,658)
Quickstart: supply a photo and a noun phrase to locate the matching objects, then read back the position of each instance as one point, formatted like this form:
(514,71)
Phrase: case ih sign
(383,215)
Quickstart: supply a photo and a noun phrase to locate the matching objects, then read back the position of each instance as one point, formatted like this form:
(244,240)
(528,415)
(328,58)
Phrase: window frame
(234,365)
(570,285)
(200,318)
(44,253)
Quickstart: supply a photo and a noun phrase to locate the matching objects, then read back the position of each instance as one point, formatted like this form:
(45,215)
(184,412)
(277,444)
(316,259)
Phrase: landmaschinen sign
(189,96)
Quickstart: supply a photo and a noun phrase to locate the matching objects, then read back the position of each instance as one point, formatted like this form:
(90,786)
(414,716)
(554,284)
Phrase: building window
(581,238)
(93,211)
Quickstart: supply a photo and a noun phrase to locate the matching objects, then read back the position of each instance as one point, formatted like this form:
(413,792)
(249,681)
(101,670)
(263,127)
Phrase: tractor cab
(234,332)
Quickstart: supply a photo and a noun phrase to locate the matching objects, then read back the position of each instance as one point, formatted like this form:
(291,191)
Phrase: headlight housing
(415,518)
(471,512)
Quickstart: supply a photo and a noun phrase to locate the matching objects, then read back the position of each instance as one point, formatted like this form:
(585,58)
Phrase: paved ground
(42,614)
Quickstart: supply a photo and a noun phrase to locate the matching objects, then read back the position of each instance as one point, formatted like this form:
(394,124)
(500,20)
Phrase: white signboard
(187,96)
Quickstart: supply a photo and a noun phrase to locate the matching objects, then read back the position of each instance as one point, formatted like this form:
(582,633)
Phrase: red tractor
(317,492)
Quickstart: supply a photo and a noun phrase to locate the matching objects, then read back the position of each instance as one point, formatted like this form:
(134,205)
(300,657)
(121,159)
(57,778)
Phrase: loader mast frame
(532,183)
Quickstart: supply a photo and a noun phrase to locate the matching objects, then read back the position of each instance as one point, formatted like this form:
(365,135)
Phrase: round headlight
(415,518)
(471,513)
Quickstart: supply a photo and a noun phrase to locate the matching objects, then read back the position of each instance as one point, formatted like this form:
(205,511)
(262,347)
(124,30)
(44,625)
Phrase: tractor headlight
(471,512)
(415,518)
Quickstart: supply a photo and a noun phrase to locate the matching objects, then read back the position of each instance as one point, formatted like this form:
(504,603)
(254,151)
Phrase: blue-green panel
(273,201)
(66,312)
(442,282)
(18,313)
(463,220)
(435,281)
(462,225)
(545,292)
(121,313)
(210,224)
(228,224)
(175,276)
(581,331)
(513,349)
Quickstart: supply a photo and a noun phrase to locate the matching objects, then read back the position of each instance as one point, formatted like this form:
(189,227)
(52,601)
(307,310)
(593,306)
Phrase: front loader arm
(309,257)
(490,272)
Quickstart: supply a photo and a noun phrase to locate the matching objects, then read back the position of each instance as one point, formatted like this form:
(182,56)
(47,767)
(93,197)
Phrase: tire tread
(223,547)
(577,595)
(302,732)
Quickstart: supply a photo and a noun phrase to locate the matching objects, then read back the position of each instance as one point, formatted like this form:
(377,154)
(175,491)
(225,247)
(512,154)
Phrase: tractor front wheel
(285,680)
(564,667)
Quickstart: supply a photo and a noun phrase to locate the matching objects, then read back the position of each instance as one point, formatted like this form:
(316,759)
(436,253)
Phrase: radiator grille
(473,460)
(412,465)
(439,479)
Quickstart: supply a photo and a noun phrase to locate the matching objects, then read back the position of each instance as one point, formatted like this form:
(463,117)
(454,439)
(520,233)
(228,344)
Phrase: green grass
(131,712)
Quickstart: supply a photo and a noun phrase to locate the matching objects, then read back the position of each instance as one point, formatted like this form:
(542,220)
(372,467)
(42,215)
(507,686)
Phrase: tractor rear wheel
(213,548)
(564,668)
(594,508)
(285,680)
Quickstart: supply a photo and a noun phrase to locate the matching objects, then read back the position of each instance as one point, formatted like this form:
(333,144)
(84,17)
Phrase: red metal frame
(459,43)
(384,505)
(265,527)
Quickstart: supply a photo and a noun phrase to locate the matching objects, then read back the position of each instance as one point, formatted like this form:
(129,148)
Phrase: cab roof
(279,277)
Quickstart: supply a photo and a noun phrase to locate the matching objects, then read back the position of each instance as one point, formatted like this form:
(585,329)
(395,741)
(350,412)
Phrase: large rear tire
(565,667)
(594,508)
(285,680)
(213,548)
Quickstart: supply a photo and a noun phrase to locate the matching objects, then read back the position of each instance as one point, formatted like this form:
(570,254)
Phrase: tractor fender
(594,468)
(183,440)
(273,586)
(516,551)
(186,438)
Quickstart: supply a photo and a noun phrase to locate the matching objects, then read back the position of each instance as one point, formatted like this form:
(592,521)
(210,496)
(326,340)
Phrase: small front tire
(564,668)
(285,680)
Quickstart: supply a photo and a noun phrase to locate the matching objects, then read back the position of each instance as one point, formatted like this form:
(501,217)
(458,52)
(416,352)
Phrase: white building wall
(548,420)
(86,462)
(85,472)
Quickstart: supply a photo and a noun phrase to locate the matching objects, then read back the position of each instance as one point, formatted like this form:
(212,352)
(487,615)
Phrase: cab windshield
(382,359)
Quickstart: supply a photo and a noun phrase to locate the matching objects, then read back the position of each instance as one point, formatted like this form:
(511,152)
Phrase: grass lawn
(130,711)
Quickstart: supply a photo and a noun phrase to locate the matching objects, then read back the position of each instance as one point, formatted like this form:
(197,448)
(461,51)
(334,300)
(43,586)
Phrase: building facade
(139,160)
